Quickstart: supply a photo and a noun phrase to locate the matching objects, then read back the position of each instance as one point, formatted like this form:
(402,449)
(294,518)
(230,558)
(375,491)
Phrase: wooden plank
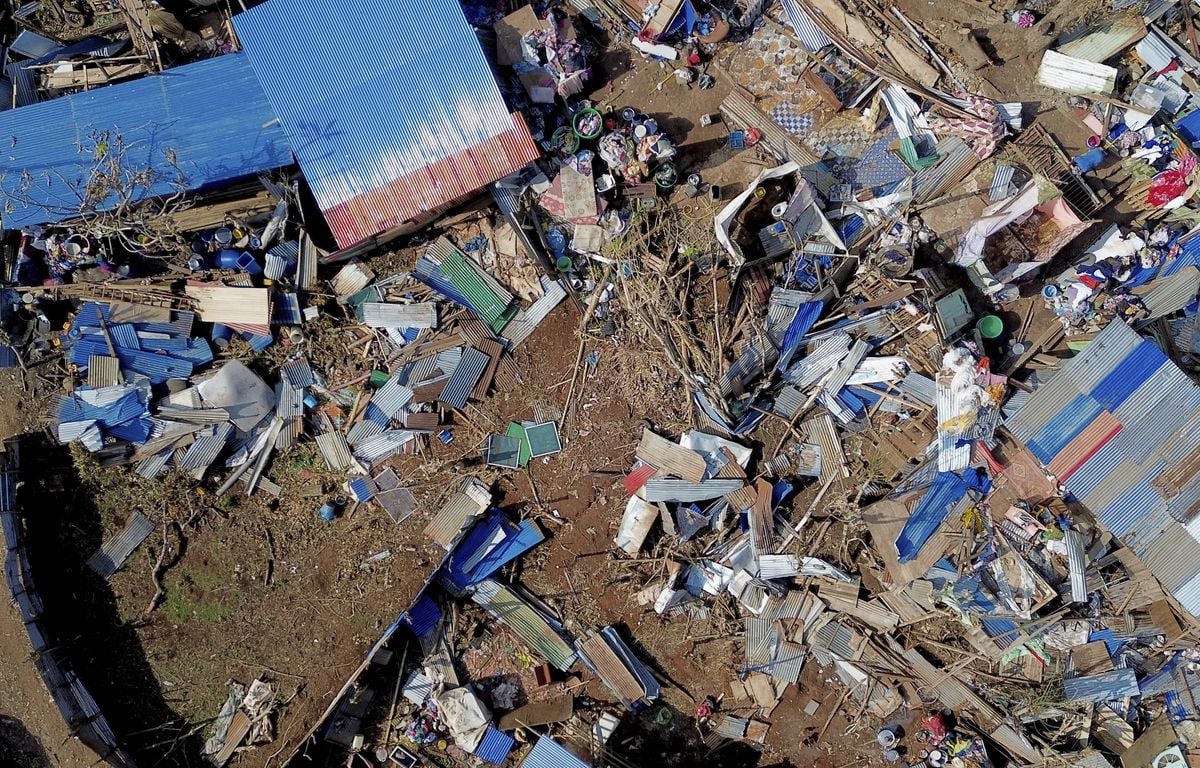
(555,710)
(493,349)
(226,304)
(93,74)
(821,88)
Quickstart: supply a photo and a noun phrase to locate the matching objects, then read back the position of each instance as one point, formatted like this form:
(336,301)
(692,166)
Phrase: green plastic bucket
(990,326)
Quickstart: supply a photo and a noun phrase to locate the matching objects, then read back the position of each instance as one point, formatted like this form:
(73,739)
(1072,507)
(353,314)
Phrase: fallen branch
(156,574)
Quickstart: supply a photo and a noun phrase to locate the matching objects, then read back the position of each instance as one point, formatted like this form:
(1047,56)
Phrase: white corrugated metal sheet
(1075,76)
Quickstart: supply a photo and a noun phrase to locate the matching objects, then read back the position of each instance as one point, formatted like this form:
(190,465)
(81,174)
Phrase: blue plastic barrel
(221,334)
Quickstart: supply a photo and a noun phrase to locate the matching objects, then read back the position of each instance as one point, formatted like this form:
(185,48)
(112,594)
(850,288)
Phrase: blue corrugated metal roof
(379,101)
(929,513)
(1063,427)
(490,545)
(1129,374)
(423,616)
(802,322)
(213,115)
(548,753)
(1107,686)
(495,746)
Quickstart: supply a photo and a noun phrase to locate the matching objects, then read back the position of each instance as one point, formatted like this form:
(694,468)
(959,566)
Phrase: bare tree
(128,191)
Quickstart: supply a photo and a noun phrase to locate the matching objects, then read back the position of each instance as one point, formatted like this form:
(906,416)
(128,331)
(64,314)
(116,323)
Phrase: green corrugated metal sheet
(525,622)
(496,310)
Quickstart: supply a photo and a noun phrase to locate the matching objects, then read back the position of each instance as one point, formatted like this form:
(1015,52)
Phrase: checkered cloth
(787,119)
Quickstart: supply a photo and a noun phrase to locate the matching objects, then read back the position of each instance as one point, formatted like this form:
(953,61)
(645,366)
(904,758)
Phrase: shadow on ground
(64,528)
(20,747)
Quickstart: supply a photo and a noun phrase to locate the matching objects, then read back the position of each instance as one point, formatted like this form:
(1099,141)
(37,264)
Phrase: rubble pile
(936,475)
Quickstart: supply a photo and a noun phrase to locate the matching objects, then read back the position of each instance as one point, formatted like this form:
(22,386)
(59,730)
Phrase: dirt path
(32,732)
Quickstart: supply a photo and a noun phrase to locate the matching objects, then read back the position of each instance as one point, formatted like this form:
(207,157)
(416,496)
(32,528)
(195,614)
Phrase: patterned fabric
(983,133)
(785,117)
(880,166)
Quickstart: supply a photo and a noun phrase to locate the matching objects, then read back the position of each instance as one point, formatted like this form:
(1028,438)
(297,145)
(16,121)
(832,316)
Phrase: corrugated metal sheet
(548,753)
(958,159)
(383,445)
(1107,41)
(671,458)
(1045,402)
(777,566)
(1001,186)
(392,397)
(352,278)
(495,746)
(207,444)
(1170,294)
(411,130)
(836,639)
(185,110)
(918,387)
(103,371)
(299,373)
(526,321)
(509,609)
(364,430)
(417,688)
(609,667)
(821,430)
(760,639)
(468,503)
(805,29)
(1173,557)
(731,726)
(808,370)
(1083,446)
(1075,76)
(151,467)
(466,375)
(671,489)
(1150,392)
(788,662)
(1077,566)
(1107,686)
(289,401)
(335,451)
(115,551)
(845,368)
(385,315)
(928,515)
